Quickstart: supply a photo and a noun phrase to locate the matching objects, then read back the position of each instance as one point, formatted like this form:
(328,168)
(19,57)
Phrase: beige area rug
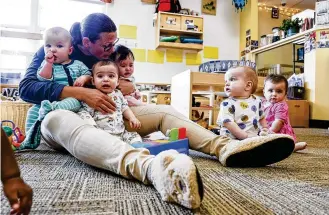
(297,185)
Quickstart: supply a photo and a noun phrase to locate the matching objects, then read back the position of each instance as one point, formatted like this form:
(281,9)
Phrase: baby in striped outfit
(57,67)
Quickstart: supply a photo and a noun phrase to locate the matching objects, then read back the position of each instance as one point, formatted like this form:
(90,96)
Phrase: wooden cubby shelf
(180,25)
(179,32)
(187,46)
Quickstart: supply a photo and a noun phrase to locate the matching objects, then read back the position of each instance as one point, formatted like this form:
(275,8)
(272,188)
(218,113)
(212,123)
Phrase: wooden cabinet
(180,25)
(299,113)
(154,93)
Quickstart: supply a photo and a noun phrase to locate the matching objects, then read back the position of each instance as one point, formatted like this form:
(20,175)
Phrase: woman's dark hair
(275,79)
(121,53)
(91,27)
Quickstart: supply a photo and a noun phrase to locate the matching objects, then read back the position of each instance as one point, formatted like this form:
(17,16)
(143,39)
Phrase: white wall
(221,31)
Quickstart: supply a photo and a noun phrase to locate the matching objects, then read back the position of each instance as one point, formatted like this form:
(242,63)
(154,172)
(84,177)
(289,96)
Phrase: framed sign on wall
(209,7)
(275,13)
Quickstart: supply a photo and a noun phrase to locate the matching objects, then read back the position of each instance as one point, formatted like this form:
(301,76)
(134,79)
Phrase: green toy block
(173,134)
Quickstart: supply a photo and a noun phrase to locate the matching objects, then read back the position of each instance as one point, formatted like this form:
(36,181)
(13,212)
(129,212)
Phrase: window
(15,55)
(22,23)
(15,13)
(59,12)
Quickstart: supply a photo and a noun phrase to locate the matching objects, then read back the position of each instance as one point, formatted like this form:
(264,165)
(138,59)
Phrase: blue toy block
(182,146)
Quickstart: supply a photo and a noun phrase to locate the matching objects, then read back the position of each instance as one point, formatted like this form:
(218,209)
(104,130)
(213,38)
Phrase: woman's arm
(34,91)
(92,97)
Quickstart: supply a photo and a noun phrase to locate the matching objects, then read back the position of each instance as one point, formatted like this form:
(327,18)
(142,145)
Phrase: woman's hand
(126,87)
(98,100)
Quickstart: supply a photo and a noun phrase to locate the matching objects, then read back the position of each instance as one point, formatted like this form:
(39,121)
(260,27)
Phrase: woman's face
(103,47)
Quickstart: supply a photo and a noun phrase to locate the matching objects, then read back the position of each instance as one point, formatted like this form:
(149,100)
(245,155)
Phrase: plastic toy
(176,134)
(176,140)
(169,39)
(14,134)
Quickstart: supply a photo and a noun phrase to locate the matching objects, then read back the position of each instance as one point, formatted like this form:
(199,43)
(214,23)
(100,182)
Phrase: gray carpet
(298,185)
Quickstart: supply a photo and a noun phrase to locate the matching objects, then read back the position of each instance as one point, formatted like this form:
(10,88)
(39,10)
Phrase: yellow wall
(320,108)
(316,79)
(266,23)
(281,55)
(249,20)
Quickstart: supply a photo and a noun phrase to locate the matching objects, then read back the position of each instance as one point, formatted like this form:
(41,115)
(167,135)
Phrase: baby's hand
(264,132)
(138,95)
(81,81)
(50,58)
(135,123)
(19,195)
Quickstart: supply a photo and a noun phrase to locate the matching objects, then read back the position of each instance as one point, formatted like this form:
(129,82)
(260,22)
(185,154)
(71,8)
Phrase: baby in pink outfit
(276,108)
(124,58)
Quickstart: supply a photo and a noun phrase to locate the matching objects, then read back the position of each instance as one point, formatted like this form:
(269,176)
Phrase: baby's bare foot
(300,146)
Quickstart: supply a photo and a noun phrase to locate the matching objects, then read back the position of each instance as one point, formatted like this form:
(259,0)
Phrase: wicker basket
(16,112)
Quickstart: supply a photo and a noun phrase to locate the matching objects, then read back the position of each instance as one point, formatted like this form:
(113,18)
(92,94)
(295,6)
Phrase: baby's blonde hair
(56,31)
(250,75)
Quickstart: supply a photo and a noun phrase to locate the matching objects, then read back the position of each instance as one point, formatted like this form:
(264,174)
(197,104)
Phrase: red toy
(176,134)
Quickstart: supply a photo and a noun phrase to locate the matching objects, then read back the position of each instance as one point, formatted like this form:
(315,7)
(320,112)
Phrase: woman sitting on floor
(93,40)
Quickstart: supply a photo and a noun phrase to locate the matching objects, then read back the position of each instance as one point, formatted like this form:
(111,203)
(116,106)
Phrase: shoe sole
(264,154)
(200,184)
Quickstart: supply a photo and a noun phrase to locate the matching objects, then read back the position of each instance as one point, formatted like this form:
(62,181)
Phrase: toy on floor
(176,134)
(14,134)
(176,139)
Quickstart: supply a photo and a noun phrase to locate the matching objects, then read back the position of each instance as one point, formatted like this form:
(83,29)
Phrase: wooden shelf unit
(179,32)
(161,95)
(295,38)
(173,24)
(186,46)
(187,83)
